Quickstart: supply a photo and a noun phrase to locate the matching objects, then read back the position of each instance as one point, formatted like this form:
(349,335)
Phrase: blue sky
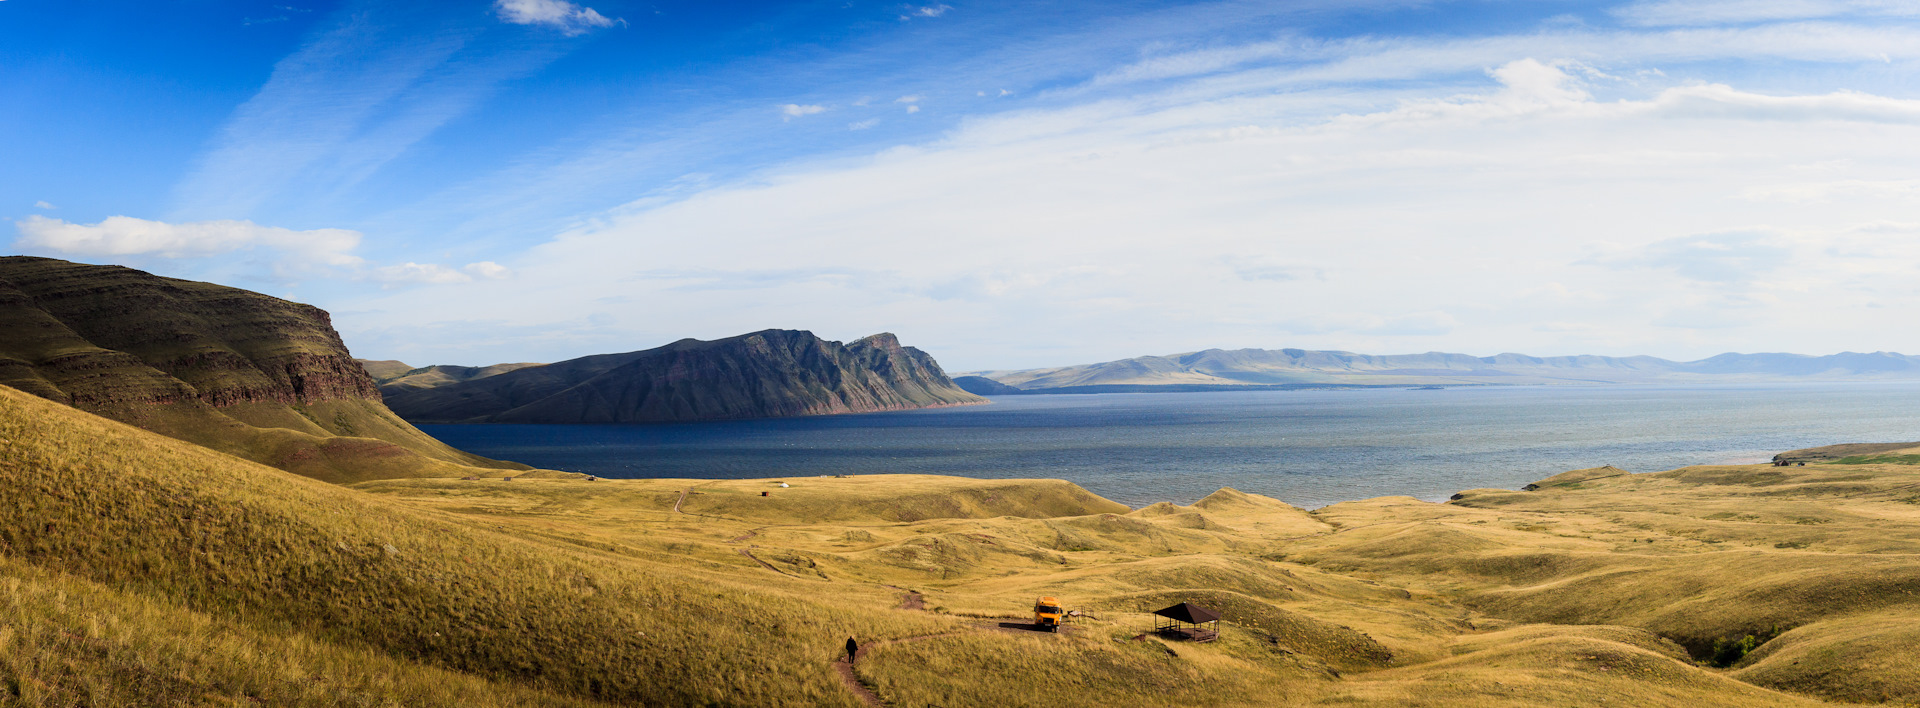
(1005,184)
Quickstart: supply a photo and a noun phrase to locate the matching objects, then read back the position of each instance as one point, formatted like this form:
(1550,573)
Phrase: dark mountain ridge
(771,373)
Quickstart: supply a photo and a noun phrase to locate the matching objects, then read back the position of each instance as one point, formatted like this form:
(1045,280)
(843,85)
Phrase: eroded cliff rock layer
(772,373)
(241,372)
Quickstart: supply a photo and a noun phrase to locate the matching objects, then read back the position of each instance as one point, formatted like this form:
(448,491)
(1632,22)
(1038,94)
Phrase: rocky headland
(771,373)
(248,374)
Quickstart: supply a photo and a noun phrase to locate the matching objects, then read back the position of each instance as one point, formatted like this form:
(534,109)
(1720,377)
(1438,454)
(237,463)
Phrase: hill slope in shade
(251,375)
(1267,367)
(983,386)
(394,379)
(771,373)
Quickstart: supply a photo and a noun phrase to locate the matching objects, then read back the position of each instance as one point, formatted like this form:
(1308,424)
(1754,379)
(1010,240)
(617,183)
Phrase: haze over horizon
(1004,185)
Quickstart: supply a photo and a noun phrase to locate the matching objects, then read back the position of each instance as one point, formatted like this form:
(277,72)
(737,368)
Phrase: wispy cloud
(1719,12)
(434,274)
(42,204)
(567,17)
(1729,257)
(352,99)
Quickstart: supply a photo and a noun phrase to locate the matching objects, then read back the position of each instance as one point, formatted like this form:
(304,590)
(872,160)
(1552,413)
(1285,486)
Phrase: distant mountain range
(1291,368)
(762,374)
(240,372)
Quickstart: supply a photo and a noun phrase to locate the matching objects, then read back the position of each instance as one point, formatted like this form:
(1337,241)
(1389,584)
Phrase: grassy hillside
(396,380)
(86,500)
(136,569)
(237,371)
(1307,629)
(385,370)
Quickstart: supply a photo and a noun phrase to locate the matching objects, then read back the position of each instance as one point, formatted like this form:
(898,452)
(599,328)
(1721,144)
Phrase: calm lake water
(1309,448)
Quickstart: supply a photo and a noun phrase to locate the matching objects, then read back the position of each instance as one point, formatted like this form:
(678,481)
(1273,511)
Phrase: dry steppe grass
(139,570)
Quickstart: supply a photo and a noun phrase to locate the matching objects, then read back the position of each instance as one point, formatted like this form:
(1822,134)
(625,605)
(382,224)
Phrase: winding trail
(912,601)
(844,667)
(909,600)
(681,500)
(764,564)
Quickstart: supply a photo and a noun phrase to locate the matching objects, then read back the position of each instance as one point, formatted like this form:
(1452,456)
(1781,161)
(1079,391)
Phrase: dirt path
(747,535)
(681,500)
(764,564)
(913,601)
(910,600)
(844,667)
(852,682)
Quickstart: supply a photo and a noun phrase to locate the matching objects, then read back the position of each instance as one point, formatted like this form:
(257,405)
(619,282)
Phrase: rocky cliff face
(773,373)
(242,372)
(227,346)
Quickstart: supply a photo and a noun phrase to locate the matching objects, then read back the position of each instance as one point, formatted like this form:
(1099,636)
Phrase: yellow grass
(122,553)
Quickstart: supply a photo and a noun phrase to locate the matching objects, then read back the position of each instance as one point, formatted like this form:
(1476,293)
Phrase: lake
(1309,448)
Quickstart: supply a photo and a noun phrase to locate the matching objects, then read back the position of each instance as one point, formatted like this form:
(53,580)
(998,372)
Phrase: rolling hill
(764,374)
(142,570)
(396,378)
(240,372)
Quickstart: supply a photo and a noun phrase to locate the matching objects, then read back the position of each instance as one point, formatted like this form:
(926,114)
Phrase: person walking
(853,647)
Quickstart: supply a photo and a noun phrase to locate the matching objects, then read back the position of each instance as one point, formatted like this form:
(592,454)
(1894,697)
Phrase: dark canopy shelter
(1188,621)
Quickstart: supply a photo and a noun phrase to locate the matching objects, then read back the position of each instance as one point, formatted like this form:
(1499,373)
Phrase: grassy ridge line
(149,515)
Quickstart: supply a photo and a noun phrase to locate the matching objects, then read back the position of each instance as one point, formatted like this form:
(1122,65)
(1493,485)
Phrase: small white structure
(785,485)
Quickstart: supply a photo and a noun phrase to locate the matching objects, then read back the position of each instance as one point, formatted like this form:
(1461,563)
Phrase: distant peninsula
(771,373)
(1242,369)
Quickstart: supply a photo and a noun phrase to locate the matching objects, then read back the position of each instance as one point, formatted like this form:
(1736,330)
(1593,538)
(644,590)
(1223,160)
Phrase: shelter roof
(1189,612)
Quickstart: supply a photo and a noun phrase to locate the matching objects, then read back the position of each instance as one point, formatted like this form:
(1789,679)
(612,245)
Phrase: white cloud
(127,236)
(567,17)
(912,102)
(488,270)
(411,273)
(863,124)
(913,11)
(42,204)
(794,110)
